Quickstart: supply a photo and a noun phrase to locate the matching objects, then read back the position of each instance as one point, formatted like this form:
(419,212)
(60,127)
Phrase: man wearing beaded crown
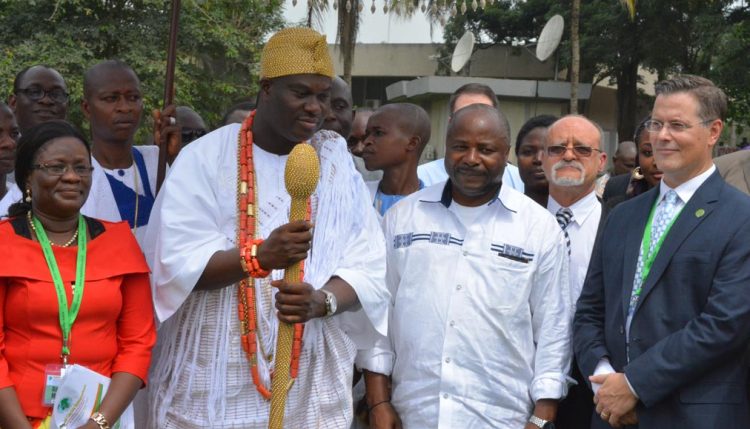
(222,219)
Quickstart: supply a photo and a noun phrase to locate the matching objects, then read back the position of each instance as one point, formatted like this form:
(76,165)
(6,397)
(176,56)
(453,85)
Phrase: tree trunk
(575,57)
(347,39)
(627,83)
(627,101)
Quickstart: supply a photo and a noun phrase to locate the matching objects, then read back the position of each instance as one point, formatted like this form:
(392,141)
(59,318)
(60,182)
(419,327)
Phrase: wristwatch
(330,303)
(541,423)
(100,420)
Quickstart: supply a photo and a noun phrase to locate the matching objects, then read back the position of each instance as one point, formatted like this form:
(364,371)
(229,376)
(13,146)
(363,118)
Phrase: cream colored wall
(391,59)
(602,109)
(405,59)
(517,112)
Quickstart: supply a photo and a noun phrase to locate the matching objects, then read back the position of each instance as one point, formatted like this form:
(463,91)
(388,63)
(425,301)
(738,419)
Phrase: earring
(28,196)
(637,175)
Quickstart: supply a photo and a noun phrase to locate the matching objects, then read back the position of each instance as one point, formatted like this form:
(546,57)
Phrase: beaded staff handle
(301,178)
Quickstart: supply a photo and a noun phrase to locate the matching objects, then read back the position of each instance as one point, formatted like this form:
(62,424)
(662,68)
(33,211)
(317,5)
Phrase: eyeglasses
(654,126)
(189,135)
(60,169)
(36,93)
(580,150)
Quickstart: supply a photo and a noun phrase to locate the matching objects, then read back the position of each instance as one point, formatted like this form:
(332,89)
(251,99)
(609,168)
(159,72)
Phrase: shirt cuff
(375,360)
(603,367)
(630,386)
(549,386)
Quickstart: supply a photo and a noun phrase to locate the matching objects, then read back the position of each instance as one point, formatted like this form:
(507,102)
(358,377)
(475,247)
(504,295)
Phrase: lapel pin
(700,213)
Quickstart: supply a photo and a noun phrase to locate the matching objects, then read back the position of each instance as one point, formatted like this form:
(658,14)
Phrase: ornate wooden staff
(169,88)
(300,178)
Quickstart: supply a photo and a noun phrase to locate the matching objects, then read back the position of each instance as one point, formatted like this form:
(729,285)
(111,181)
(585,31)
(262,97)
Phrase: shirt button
(447,360)
(458,287)
(465,253)
(452,323)
(445,395)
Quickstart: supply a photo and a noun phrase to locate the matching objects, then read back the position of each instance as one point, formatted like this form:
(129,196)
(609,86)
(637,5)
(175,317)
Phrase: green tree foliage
(218,48)
(731,67)
(704,37)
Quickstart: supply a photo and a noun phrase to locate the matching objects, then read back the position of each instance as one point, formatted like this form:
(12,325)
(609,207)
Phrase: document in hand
(79,396)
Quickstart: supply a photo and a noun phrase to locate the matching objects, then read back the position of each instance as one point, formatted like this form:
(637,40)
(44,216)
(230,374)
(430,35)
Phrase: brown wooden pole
(169,85)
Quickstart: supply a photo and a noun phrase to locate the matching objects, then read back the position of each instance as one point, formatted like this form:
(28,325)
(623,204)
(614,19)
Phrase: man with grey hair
(663,321)
(572,159)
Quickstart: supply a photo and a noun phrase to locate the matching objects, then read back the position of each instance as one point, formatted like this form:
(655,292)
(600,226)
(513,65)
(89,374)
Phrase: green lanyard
(649,255)
(67,317)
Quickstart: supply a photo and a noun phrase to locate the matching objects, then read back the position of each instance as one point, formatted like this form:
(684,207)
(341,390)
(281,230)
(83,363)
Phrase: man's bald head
(572,158)
(396,135)
(341,113)
(580,122)
(112,102)
(624,159)
(97,74)
(341,88)
(39,95)
(476,151)
(485,110)
(410,118)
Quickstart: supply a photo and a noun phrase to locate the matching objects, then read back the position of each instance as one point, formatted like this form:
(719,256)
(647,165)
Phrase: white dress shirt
(13,195)
(582,232)
(433,172)
(685,191)
(481,321)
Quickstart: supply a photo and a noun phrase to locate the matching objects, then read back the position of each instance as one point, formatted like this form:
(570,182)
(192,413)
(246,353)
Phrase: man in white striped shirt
(480,325)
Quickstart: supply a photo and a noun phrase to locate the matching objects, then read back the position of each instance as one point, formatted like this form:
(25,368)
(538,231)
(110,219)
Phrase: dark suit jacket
(576,409)
(616,186)
(691,327)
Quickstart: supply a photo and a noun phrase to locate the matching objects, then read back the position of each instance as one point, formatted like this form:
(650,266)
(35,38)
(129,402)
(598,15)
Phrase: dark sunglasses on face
(36,93)
(190,135)
(559,150)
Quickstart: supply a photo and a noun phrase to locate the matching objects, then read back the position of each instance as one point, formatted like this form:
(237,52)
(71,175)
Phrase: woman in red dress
(73,290)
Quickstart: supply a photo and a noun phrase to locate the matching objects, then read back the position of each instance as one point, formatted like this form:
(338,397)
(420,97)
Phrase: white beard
(568,181)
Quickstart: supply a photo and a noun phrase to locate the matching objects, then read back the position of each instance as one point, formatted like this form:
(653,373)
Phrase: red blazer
(114,330)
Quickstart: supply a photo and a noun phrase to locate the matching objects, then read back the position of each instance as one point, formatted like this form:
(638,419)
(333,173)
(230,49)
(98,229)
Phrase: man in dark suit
(664,316)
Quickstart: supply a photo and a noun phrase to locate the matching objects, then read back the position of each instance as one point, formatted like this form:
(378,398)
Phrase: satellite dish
(463,51)
(550,37)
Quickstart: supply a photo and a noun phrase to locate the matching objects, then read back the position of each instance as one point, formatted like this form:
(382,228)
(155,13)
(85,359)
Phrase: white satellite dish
(550,37)
(463,51)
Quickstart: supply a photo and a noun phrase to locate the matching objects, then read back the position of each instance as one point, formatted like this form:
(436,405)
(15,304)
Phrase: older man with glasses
(39,95)
(572,158)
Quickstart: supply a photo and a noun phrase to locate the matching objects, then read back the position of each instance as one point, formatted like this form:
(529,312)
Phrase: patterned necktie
(564,217)
(665,212)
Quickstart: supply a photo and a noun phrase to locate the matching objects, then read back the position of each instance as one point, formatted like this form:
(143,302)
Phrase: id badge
(53,375)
